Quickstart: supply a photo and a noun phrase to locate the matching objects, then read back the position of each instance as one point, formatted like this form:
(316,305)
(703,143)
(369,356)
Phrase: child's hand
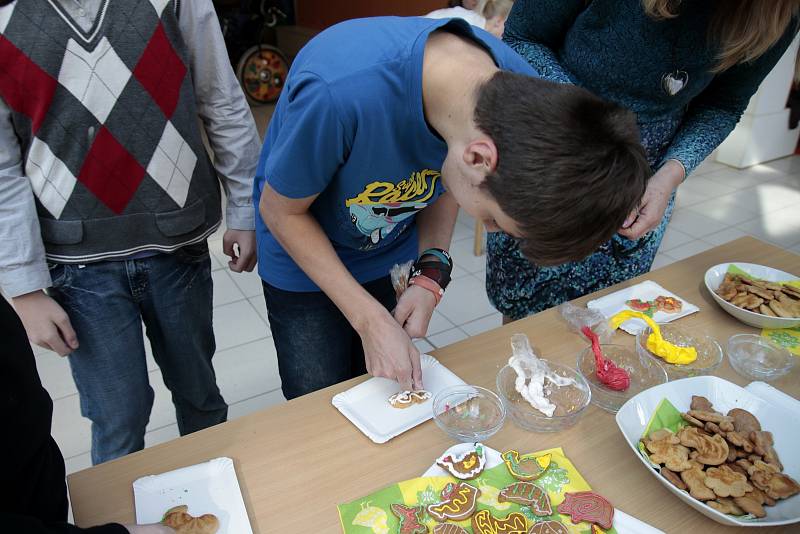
(389,352)
(654,201)
(414,310)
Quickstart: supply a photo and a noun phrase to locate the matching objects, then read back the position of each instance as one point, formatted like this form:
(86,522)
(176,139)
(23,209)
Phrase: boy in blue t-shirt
(385,126)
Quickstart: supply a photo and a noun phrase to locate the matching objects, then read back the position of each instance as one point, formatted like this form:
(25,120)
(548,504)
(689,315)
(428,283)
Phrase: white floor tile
(689,249)
(246,407)
(78,463)
(260,305)
(787,165)
(687,195)
(423,346)
(248,283)
(225,291)
(465,300)
(464,257)
(71,431)
(458,272)
(674,238)
(55,374)
(218,258)
(161,435)
(724,209)
(781,227)
(485,324)
(462,231)
(662,260)
(768,197)
(694,224)
(480,275)
(247,370)
(466,219)
(742,179)
(729,234)
(709,166)
(236,324)
(709,188)
(439,323)
(448,337)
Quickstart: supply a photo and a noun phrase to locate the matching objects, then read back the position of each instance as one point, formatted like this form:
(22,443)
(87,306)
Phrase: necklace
(674,82)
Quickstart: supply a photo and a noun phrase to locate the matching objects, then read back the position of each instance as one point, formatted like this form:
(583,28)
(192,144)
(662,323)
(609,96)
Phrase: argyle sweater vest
(107,123)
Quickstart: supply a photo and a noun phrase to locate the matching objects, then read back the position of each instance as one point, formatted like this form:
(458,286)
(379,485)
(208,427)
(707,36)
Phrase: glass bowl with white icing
(468,413)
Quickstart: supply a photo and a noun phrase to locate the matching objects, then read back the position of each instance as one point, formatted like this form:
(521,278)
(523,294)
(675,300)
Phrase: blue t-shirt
(349,126)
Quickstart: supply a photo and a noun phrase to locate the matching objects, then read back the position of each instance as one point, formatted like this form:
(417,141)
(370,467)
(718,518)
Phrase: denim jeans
(107,303)
(315,343)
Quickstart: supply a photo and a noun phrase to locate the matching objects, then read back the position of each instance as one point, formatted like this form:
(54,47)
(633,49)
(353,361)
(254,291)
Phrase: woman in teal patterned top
(688,73)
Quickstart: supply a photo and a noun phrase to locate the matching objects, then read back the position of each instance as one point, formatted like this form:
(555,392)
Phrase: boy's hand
(389,352)
(46,323)
(654,201)
(414,310)
(246,241)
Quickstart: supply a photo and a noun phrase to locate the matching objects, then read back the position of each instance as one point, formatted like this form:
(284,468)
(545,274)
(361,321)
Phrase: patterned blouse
(614,49)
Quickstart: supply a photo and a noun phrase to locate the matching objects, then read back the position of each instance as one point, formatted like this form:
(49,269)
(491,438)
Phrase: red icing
(608,373)
(587,506)
(410,522)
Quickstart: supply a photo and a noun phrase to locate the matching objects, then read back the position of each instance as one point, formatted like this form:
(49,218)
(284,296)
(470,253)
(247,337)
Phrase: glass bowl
(709,353)
(644,373)
(755,357)
(468,413)
(571,401)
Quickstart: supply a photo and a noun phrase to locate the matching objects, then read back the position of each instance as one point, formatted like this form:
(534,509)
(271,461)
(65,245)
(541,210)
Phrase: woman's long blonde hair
(743,29)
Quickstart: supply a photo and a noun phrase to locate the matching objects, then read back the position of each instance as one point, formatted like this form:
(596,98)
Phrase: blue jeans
(107,303)
(315,343)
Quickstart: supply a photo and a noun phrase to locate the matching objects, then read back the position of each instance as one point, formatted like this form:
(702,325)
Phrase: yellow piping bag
(655,342)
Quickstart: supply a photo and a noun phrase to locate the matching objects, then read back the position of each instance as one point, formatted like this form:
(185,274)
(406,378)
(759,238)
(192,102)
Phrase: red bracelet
(425,282)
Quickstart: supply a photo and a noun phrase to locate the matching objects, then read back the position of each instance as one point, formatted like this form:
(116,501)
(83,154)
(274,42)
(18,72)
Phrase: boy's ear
(480,156)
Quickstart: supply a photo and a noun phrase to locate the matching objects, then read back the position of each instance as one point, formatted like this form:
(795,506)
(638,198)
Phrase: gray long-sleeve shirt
(226,120)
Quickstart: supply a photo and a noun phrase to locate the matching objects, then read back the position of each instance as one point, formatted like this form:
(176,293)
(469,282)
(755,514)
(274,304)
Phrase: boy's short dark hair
(570,165)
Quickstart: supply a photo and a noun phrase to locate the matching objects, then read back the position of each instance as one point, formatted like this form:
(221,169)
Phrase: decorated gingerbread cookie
(587,506)
(548,527)
(483,522)
(464,466)
(458,502)
(527,494)
(449,528)
(179,519)
(526,467)
(406,399)
(410,520)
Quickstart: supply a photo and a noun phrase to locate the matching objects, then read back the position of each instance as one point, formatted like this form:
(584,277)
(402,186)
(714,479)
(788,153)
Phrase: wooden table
(297,461)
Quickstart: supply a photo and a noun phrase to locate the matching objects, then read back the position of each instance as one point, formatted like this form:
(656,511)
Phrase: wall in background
(320,14)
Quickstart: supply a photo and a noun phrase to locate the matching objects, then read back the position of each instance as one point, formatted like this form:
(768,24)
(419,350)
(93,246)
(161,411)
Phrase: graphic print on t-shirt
(382,206)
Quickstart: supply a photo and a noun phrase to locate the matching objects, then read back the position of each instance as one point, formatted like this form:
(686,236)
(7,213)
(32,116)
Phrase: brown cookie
(673,477)
(448,528)
(695,480)
(750,505)
(548,527)
(726,506)
(701,403)
(743,421)
(666,449)
(763,446)
(725,482)
(739,440)
(712,450)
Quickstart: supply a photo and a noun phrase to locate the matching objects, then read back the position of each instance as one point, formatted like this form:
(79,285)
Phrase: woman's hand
(654,201)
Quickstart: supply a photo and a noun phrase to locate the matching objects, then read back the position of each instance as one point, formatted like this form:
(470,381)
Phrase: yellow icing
(655,342)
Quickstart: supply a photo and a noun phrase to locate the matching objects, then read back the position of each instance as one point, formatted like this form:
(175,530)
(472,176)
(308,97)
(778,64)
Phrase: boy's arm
(435,229)
(388,351)
(23,267)
(228,124)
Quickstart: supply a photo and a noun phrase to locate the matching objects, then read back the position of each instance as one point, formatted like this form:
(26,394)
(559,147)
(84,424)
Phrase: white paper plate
(623,523)
(208,488)
(614,303)
(634,415)
(716,274)
(367,404)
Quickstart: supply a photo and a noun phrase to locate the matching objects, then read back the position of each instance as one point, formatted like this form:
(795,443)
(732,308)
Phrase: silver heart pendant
(674,82)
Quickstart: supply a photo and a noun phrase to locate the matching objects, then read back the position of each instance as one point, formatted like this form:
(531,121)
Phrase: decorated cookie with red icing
(548,527)
(410,520)
(464,466)
(483,522)
(587,506)
(527,494)
(458,502)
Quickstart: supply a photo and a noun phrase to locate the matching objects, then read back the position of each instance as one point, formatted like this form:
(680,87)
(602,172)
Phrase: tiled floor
(715,205)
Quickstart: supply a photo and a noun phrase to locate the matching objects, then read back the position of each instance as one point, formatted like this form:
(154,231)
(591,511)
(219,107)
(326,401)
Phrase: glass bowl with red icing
(709,352)
(570,401)
(468,413)
(643,373)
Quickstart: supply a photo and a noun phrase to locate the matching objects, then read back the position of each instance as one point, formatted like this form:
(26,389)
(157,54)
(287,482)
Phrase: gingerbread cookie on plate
(458,502)
(464,466)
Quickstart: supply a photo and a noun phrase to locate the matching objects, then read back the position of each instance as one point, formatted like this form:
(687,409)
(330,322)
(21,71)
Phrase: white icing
(409,397)
(531,374)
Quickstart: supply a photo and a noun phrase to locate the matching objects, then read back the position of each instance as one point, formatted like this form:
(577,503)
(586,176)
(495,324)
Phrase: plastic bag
(399,275)
(577,317)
